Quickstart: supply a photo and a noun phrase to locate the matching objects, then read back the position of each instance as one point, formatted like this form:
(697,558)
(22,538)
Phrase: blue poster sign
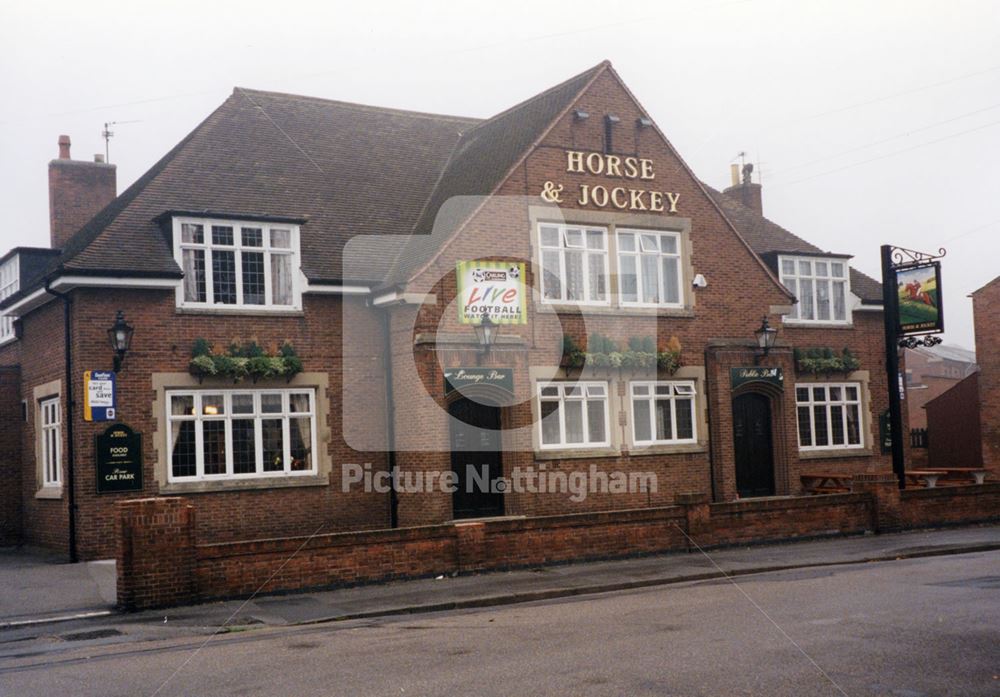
(99,395)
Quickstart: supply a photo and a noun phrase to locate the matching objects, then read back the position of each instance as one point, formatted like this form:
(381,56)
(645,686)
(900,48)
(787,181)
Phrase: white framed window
(573,415)
(829,415)
(50,432)
(9,283)
(649,268)
(574,264)
(663,412)
(229,263)
(240,434)
(822,286)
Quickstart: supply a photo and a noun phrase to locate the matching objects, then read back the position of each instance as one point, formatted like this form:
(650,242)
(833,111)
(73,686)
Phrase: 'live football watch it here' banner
(495,288)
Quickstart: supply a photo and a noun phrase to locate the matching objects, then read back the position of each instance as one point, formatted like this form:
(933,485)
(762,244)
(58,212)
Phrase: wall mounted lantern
(765,338)
(486,332)
(120,336)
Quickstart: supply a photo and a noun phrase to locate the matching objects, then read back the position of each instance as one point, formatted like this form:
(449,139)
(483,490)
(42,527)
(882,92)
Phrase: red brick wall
(953,426)
(78,190)
(158,549)
(986,314)
(11,424)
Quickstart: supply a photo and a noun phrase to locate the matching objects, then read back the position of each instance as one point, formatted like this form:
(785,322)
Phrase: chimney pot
(734,174)
(64,147)
(98,157)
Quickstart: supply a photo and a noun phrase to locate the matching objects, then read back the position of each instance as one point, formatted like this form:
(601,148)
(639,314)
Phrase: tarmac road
(928,626)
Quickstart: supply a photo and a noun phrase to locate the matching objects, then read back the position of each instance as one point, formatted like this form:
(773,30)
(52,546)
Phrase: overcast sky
(871,122)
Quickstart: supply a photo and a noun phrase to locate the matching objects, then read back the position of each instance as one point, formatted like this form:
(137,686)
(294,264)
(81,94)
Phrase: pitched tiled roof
(346,170)
(334,164)
(767,239)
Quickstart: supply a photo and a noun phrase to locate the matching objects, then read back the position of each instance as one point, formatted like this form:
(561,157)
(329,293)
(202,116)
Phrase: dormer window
(822,286)
(9,284)
(229,263)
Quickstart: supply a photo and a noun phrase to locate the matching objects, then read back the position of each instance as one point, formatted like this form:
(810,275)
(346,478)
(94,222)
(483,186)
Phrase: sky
(869,122)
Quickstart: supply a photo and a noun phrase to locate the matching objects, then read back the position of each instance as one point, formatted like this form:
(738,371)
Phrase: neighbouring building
(986,316)
(953,428)
(932,371)
(307,281)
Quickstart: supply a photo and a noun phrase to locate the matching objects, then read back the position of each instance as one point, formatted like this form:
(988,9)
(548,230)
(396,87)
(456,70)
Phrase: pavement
(37,590)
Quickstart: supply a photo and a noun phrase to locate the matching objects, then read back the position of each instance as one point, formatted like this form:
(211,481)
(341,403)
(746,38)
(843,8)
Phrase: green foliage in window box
(241,361)
(823,361)
(603,352)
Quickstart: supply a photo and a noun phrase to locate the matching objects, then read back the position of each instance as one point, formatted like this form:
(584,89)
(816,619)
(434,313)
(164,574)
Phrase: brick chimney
(745,191)
(78,190)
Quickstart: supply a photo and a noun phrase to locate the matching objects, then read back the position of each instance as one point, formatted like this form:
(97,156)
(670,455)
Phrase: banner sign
(118,452)
(99,395)
(740,376)
(457,378)
(919,291)
(493,287)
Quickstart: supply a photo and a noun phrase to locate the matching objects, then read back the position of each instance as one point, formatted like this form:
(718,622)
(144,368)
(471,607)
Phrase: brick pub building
(339,233)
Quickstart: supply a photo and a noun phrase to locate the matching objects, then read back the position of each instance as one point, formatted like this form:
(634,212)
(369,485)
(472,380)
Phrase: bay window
(238,264)
(649,268)
(821,286)
(829,415)
(574,264)
(663,412)
(574,414)
(235,434)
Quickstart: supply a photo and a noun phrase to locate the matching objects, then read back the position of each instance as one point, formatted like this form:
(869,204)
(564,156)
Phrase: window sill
(799,324)
(665,449)
(212,487)
(50,493)
(8,340)
(617,310)
(242,311)
(834,454)
(575,454)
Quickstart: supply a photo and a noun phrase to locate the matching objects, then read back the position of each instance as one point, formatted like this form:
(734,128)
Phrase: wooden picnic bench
(826,482)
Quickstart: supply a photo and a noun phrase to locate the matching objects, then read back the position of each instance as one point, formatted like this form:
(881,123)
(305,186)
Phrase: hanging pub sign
(118,453)
(494,288)
(99,395)
(457,378)
(743,375)
(919,307)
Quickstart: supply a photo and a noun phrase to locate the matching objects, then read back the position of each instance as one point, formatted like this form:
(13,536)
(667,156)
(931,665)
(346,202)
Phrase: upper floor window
(821,285)
(574,414)
(240,264)
(649,268)
(574,264)
(9,284)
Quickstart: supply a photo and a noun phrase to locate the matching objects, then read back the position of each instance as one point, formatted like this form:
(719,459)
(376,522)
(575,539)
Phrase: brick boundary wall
(160,564)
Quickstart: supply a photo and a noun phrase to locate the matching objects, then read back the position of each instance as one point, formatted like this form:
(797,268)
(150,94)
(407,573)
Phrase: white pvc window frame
(50,433)
(569,240)
(814,280)
(199,417)
(10,281)
(582,395)
(650,244)
(826,404)
(268,249)
(669,393)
